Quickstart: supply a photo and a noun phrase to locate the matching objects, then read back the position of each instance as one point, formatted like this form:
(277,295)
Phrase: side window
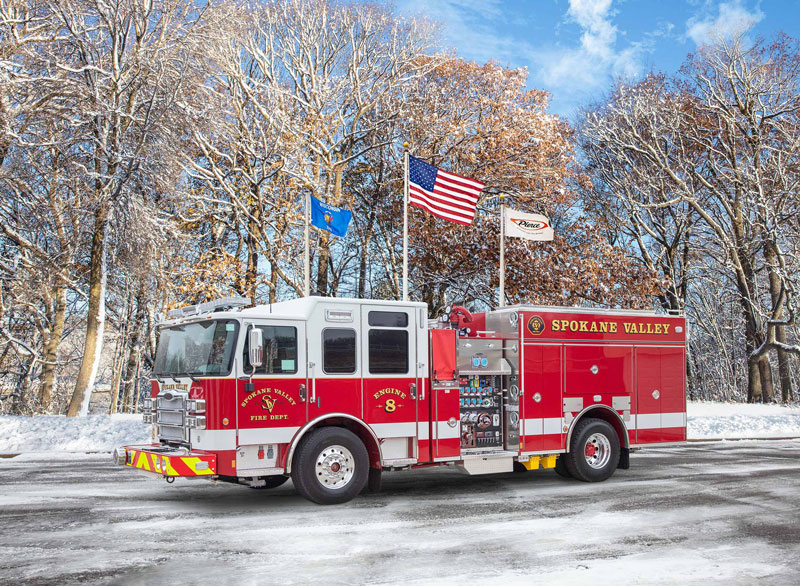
(280,350)
(388,351)
(388,319)
(338,351)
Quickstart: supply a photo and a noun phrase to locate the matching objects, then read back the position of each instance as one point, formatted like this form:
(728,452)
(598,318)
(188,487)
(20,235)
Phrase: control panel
(480,403)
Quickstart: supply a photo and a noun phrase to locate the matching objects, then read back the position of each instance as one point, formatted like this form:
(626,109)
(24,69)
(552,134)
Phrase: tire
(271,482)
(519,468)
(331,466)
(561,466)
(594,451)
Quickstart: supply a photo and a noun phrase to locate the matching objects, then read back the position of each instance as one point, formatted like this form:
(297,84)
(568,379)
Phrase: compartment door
(542,424)
(445,425)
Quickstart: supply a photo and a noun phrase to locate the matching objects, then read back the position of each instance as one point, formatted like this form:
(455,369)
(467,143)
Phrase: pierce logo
(529,226)
(535,325)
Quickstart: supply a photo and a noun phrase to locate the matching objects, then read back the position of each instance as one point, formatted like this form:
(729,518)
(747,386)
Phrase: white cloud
(588,66)
(473,26)
(731,18)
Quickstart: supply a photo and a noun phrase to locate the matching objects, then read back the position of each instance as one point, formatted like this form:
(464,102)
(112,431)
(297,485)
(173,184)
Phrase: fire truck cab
(331,392)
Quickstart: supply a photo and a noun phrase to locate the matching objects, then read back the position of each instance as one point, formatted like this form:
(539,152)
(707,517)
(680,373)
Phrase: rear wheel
(594,452)
(330,466)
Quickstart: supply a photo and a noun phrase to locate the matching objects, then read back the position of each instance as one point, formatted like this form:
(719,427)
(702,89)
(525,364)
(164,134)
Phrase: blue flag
(327,217)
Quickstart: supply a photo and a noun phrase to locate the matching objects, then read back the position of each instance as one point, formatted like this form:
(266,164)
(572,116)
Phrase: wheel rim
(335,467)
(597,450)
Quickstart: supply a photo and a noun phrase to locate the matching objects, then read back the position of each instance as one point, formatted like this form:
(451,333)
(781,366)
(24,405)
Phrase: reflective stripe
(547,426)
(554,425)
(673,420)
(405,429)
(267,435)
(444,431)
(422,431)
(214,439)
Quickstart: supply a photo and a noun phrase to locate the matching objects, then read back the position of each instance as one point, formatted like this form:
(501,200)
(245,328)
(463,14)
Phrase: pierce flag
(527,226)
(331,218)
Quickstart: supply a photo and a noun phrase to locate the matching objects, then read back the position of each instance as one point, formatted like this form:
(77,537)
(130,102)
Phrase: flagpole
(502,251)
(405,221)
(307,251)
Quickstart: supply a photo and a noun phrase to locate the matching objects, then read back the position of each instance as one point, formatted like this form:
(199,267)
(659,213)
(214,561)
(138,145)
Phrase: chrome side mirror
(256,344)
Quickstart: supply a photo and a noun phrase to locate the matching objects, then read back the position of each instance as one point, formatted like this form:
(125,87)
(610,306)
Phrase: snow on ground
(740,420)
(102,433)
(94,433)
(703,514)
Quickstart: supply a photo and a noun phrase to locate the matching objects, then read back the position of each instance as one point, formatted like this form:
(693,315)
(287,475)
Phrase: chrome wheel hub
(597,450)
(335,467)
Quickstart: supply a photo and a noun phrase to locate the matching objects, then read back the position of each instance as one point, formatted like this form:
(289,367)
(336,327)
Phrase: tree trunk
(767,387)
(251,273)
(137,371)
(784,368)
(135,345)
(51,348)
(116,373)
(95,322)
(753,380)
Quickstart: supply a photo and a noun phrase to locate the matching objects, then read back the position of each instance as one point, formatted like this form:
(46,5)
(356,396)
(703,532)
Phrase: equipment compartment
(480,404)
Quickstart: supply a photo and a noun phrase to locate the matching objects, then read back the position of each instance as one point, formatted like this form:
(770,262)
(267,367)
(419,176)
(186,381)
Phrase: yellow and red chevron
(176,465)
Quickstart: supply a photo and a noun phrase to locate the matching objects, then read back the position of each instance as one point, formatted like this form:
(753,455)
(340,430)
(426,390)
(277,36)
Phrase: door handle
(413,390)
(302,392)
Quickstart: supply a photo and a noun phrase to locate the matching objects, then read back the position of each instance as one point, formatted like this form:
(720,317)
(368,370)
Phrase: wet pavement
(707,513)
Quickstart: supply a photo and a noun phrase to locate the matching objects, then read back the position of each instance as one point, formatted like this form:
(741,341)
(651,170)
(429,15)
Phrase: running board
(486,465)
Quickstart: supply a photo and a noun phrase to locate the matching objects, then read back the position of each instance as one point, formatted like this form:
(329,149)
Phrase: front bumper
(166,461)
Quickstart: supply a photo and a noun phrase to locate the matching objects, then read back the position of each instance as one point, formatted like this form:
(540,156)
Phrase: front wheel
(331,466)
(594,451)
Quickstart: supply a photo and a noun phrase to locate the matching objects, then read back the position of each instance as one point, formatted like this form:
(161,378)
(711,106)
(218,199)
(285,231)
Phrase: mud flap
(624,459)
(373,481)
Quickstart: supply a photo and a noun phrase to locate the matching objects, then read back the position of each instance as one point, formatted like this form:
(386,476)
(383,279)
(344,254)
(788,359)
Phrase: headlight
(147,418)
(197,422)
(196,405)
(147,403)
(120,456)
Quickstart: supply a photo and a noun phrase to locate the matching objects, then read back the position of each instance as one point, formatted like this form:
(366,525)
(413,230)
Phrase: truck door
(390,377)
(275,408)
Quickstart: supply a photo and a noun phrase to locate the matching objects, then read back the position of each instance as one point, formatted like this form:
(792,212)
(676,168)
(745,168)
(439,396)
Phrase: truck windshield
(202,348)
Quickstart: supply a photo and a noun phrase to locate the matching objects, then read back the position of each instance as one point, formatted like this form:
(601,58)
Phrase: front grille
(171,417)
(170,402)
(172,433)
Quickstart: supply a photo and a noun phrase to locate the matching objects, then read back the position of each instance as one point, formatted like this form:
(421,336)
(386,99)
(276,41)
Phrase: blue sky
(575,48)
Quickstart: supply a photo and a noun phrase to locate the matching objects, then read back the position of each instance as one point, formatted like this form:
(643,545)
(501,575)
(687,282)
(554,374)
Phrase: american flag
(443,194)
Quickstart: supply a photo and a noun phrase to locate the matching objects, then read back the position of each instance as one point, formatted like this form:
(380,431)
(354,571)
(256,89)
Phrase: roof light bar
(209,306)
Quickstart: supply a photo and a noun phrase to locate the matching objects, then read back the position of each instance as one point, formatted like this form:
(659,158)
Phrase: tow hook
(169,479)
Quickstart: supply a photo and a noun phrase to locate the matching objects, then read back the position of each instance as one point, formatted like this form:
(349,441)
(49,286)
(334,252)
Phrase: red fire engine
(331,392)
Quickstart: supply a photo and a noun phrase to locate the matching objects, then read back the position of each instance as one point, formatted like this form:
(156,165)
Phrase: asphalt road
(714,513)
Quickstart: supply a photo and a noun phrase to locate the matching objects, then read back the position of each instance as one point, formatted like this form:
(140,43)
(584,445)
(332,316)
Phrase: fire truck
(332,392)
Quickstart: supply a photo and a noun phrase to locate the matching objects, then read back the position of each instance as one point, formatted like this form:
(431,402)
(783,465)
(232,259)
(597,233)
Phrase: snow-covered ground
(102,433)
(703,514)
(94,433)
(741,420)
